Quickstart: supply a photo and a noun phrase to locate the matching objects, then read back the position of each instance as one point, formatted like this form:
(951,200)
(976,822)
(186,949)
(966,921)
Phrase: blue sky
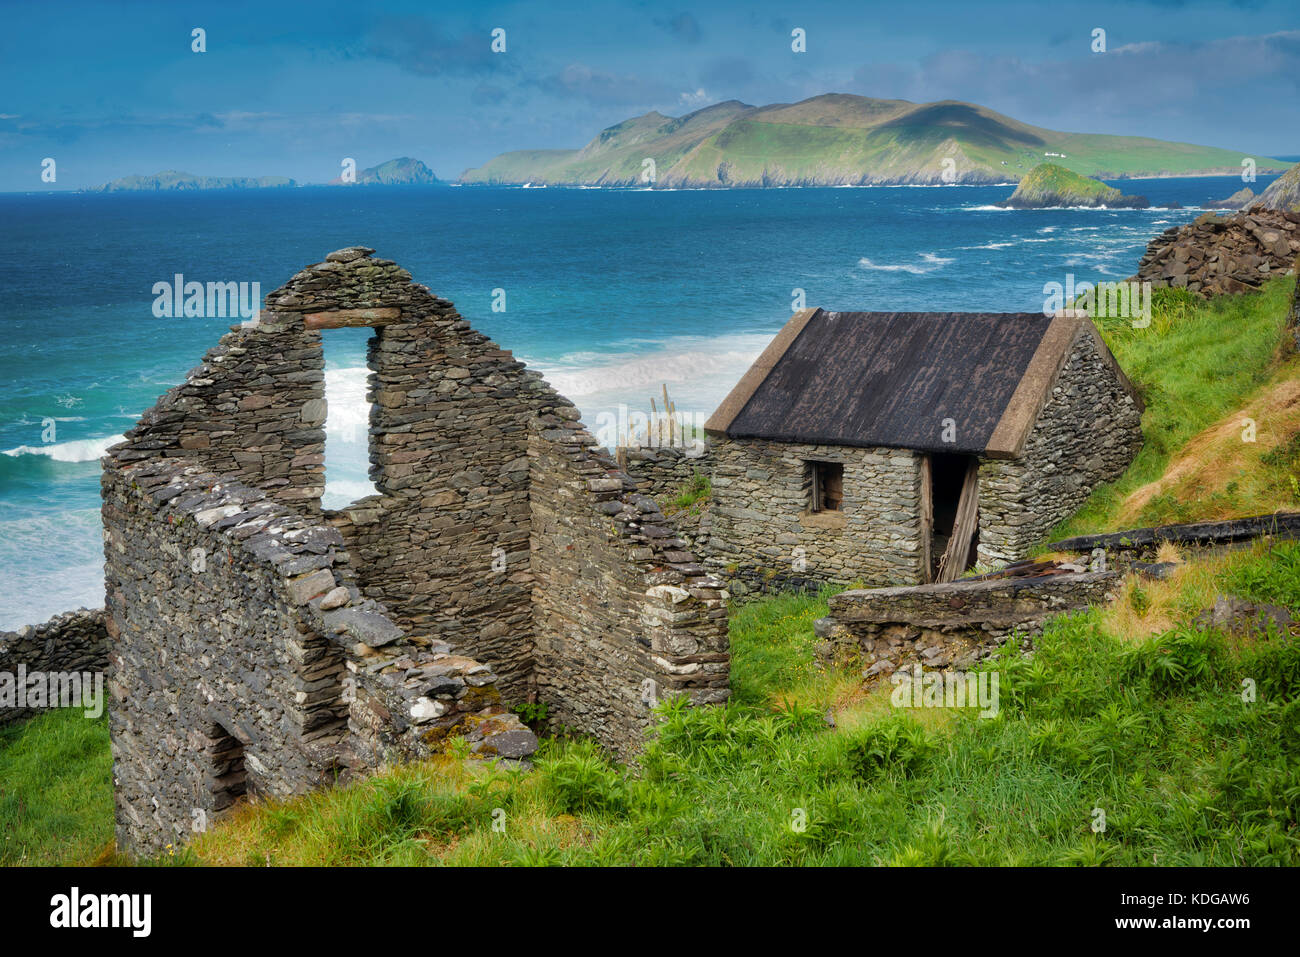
(109,89)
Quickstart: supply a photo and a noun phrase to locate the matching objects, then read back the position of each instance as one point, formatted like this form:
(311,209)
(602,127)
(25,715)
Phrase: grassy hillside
(1202,368)
(840,139)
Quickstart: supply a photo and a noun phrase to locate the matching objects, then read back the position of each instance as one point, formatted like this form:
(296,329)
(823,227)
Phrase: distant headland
(840,139)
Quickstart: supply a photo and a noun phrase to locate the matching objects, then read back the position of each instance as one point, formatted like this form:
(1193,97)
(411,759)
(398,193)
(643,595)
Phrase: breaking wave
(929,263)
(77,450)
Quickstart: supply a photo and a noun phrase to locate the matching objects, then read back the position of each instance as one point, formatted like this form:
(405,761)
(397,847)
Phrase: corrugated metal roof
(892,378)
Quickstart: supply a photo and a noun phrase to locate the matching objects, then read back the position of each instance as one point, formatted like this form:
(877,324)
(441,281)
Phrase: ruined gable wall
(624,614)
(253,410)
(229,609)
(475,460)
(761,529)
(1089,431)
(444,543)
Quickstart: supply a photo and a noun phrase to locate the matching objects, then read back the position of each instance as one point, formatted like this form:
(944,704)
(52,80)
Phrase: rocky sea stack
(1238,200)
(1284,193)
(403,171)
(1048,185)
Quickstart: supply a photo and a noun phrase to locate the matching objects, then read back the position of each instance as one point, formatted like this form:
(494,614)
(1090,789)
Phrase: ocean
(610,293)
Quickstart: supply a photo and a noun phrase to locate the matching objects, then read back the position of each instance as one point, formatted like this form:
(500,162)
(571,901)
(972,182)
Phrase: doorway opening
(227,776)
(949,514)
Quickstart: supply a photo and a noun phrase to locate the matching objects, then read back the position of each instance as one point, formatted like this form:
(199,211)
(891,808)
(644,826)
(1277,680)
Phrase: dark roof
(891,379)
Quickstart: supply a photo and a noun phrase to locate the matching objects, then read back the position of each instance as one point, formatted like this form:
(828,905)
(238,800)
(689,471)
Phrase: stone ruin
(953,624)
(260,644)
(1214,255)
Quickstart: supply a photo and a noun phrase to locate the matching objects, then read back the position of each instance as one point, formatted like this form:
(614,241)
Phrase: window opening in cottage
(825,481)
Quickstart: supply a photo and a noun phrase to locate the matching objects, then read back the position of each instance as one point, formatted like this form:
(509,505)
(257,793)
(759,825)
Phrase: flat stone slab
(370,629)
(342,318)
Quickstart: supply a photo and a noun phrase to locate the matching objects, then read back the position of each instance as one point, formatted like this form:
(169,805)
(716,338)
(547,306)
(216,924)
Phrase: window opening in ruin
(954,518)
(227,776)
(825,481)
(347,417)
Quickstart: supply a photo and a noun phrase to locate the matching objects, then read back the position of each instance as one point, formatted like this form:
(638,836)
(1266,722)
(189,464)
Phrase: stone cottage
(260,644)
(900,448)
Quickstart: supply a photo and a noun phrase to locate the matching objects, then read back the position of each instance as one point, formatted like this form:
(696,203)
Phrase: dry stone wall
(663,470)
(219,684)
(74,642)
(619,598)
(762,535)
(955,624)
(1087,434)
(253,410)
(246,661)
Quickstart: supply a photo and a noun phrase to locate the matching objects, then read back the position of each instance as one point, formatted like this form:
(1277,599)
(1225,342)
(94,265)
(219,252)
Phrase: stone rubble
(1218,254)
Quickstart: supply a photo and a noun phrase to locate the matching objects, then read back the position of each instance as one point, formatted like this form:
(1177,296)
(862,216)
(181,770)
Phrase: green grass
(56,794)
(1197,362)
(1153,732)
(691,496)
(1048,180)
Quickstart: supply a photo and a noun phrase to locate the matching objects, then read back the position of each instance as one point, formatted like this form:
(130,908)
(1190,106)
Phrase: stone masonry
(760,533)
(73,642)
(663,470)
(763,536)
(1088,432)
(503,557)
(237,628)
(952,625)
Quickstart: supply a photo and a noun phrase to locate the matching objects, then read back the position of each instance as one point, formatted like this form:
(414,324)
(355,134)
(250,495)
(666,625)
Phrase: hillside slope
(1204,368)
(840,139)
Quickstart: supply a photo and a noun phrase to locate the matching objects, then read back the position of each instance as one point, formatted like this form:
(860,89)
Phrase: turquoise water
(611,293)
